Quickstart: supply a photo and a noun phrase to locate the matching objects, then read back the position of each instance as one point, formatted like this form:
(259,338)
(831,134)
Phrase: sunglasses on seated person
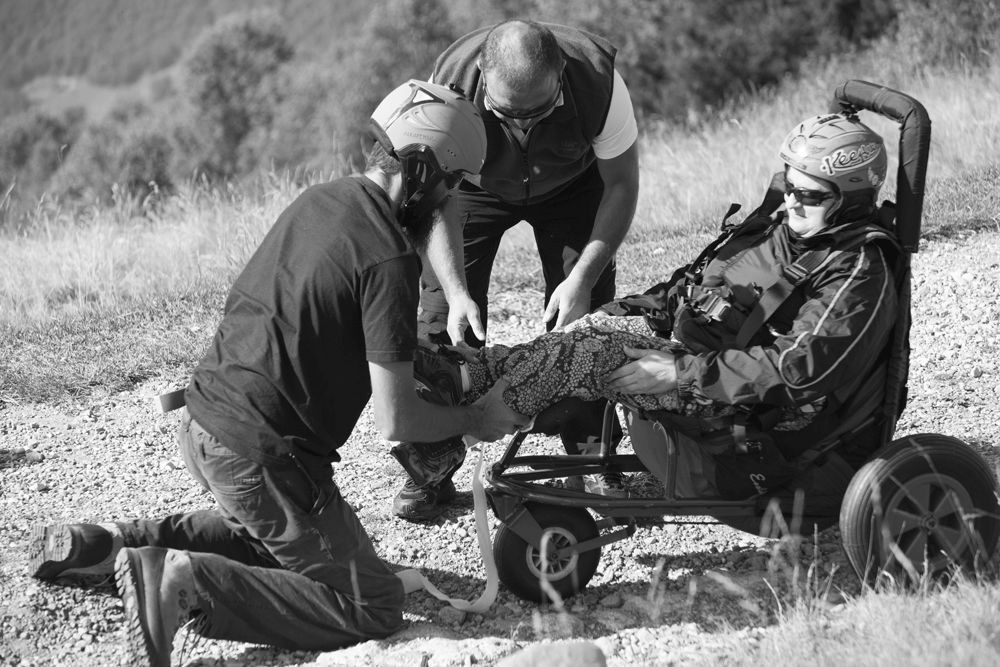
(530,114)
(808,197)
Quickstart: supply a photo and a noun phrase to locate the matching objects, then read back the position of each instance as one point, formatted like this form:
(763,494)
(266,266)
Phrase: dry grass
(73,263)
(689,178)
(104,264)
(99,299)
(953,625)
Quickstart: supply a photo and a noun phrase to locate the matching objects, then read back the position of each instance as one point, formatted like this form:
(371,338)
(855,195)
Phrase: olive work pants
(282,560)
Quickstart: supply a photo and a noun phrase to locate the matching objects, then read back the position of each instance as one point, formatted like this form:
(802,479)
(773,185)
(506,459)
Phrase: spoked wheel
(924,504)
(523,568)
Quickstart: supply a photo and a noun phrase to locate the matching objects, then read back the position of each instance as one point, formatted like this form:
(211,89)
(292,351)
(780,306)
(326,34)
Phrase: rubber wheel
(519,565)
(933,497)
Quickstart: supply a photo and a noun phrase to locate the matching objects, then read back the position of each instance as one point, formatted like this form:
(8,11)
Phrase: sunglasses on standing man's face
(808,197)
(530,114)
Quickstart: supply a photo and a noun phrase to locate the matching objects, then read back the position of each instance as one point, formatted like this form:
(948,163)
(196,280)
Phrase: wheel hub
(554,567)
(926,520)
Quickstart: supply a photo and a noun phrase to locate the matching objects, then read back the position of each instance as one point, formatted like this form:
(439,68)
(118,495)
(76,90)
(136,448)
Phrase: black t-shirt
(333,285)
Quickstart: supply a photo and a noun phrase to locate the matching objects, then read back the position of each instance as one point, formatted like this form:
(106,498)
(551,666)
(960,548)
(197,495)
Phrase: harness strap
(773,199)
(777,292)
(791,277)
(172,400)
(489,595)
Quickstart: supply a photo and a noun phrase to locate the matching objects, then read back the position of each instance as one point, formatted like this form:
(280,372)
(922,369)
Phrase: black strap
(172,400)
(778,292)
(773,199)
(790,278)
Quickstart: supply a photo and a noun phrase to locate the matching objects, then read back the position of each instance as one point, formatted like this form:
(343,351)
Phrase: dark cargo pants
(282,560)
(562,226)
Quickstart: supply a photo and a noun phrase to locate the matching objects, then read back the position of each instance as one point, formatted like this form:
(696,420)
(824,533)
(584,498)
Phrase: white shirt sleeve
(620,129)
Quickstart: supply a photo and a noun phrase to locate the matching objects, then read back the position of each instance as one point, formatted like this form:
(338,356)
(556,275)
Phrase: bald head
(522,54)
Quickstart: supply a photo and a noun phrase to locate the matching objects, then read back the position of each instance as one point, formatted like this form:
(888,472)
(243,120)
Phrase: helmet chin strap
(424,188)
(850,208)
(831,215)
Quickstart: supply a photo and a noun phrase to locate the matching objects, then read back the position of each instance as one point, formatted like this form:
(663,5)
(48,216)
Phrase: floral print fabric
(575,362)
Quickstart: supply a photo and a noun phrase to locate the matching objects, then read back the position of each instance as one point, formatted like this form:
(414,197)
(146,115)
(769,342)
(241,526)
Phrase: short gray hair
(521,53)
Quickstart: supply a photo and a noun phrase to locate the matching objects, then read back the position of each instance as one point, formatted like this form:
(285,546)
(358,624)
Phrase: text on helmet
(843,160)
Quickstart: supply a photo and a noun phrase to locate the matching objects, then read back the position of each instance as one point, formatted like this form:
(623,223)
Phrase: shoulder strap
(791,276)
(773,198)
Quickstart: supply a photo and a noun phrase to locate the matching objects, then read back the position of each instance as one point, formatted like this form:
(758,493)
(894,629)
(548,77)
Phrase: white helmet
(436,134)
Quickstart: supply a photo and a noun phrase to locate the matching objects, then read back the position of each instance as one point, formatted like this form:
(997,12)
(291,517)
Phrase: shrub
(234,82)
(129,151)
(681,57)
(12,101)
(398,44)
(33,146)
(306,125)
(27,140)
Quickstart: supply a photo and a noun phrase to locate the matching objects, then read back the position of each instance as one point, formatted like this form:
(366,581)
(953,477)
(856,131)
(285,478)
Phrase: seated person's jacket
(817,342)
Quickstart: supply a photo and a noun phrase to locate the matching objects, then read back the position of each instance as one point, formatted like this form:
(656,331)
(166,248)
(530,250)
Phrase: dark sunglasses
(808,197)
(531,114)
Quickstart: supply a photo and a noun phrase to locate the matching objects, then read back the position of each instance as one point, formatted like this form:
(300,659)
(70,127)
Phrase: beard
(419,231)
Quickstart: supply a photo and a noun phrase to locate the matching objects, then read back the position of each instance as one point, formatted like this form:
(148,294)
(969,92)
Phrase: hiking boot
(609,483)
(75,548)
(429,463)
(157,590)
(422,503)
(438,375)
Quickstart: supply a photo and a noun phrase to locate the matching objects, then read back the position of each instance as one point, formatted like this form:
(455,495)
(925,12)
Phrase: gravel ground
(671,594)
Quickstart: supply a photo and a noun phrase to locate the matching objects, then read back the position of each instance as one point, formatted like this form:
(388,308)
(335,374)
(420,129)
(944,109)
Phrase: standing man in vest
(562,156)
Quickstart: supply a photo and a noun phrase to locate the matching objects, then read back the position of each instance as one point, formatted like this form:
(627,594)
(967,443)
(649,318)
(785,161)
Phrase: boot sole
(49,549)
(129,581)
(51,554)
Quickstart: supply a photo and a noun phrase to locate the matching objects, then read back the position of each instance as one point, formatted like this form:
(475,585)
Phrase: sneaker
(438,375)
(157,590)
(75,548)
(609,483)
(422,503)
(429,463)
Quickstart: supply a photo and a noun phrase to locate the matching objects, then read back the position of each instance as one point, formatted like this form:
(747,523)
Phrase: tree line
(247,100)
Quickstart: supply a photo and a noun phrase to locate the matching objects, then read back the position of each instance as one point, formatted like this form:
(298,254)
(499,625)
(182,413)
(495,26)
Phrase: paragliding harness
(745,456)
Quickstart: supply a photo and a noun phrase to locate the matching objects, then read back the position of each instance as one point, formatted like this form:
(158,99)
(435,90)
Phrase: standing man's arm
(447,257)
(571,298)
(616,148)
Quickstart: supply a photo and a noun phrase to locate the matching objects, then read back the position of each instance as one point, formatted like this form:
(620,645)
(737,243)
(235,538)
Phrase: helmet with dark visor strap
(436,134)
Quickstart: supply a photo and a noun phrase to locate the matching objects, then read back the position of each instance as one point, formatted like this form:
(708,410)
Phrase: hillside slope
(113,42)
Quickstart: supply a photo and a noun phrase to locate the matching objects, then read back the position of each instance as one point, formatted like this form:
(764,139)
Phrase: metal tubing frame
(523,486)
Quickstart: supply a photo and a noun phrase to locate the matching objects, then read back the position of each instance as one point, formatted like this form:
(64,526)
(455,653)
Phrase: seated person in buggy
(778,320)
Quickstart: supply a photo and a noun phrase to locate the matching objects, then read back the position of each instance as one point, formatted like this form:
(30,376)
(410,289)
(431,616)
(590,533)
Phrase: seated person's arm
(401,415)
(836,335)
(652,372)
